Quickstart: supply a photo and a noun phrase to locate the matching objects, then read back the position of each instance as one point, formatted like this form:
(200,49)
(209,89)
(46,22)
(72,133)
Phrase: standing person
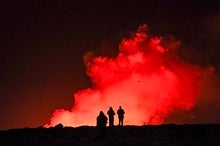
(120,113)
(101,120)
(101,123)
(111,114)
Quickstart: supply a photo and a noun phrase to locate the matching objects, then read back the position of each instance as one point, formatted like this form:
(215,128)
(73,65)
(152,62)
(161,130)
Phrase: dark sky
(42,43)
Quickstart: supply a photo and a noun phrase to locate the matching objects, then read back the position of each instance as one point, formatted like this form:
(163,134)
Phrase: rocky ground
(160,135)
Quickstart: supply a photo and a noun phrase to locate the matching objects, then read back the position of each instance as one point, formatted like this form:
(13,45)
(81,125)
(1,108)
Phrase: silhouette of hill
(164,135)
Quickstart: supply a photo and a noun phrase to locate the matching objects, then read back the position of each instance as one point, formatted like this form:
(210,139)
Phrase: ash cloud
(149,78)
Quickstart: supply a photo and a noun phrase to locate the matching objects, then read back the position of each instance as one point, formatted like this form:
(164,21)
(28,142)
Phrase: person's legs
(118,120)
(110,122)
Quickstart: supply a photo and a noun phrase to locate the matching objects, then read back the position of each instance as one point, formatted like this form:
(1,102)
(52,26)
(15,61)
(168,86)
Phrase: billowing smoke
(147,78)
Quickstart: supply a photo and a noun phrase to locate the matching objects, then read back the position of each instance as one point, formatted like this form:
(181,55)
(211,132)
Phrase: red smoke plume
(147,78)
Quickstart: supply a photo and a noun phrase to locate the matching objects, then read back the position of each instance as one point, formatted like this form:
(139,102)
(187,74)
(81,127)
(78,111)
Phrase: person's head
(111,108)
(120,107)
(101,113)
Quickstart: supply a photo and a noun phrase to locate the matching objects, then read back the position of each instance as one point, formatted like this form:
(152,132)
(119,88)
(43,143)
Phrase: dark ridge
(151,135)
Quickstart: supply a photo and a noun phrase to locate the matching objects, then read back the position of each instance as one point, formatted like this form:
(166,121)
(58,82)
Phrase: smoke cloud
(147,78)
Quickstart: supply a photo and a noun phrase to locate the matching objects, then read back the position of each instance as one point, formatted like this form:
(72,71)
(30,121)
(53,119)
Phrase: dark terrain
(160,135)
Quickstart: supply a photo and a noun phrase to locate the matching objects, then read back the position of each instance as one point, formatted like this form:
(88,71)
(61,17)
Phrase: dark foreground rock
(161,135)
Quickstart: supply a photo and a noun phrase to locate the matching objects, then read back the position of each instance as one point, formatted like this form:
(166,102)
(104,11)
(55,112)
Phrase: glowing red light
(148,80)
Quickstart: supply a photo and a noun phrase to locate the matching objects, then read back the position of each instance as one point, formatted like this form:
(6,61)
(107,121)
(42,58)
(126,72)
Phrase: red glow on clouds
(146,78)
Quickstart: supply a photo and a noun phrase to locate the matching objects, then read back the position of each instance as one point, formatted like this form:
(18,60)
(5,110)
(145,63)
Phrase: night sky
(42,44)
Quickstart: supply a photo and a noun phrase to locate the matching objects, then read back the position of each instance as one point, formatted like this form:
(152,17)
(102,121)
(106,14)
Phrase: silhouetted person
(111,114)
(120,113)
(101,123)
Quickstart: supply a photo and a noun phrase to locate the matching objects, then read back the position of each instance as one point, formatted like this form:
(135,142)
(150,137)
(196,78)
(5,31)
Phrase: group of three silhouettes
(102,119)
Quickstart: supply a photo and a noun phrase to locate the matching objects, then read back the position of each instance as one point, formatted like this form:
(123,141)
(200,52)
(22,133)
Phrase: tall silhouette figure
(120,113)
(111,114)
